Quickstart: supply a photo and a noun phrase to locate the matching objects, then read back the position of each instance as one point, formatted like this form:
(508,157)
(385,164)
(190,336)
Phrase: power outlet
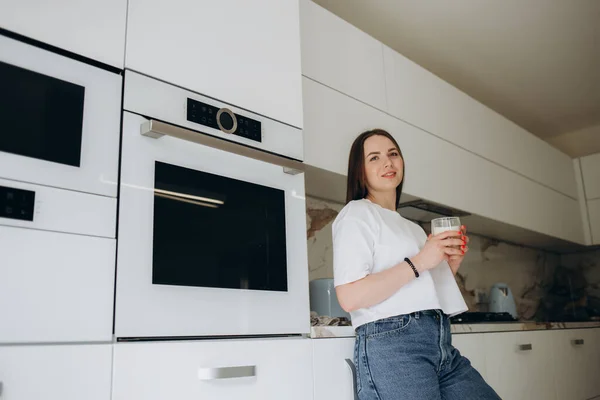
(481,296)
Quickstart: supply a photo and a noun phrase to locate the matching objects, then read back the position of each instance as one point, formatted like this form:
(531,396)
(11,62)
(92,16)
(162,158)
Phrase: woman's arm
(377,287)
(374,288)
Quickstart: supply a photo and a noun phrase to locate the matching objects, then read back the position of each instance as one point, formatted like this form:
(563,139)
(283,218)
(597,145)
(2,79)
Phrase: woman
(398,286)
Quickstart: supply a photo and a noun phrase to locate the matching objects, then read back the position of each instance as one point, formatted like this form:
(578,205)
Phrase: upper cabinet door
(590,169)
(593,207)
(341,56)
(245,53)
(420,98)
(94,29)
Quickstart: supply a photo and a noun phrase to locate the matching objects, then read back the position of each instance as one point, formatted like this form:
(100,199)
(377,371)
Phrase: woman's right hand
(438,248)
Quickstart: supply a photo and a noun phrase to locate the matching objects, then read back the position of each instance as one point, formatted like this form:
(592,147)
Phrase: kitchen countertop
(348,331)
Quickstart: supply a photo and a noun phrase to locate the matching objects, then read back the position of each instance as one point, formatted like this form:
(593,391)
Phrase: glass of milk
(439,225)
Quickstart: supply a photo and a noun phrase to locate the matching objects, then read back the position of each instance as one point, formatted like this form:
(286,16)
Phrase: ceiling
(537,62)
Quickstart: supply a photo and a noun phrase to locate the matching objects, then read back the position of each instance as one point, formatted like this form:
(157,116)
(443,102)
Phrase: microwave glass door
(215,231)
(41,116)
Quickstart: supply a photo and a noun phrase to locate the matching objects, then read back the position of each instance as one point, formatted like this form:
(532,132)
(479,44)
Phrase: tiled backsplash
(546,286)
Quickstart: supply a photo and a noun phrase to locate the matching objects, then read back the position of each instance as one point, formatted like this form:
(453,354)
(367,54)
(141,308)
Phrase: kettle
(502,300)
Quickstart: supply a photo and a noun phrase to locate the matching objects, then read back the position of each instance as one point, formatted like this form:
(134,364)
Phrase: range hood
(424,211)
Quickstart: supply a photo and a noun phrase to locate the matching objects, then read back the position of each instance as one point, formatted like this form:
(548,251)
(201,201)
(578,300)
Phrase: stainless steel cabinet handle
(353,369)
(1,387)
(525,347)
(157,129)
(577,342)
(209,374)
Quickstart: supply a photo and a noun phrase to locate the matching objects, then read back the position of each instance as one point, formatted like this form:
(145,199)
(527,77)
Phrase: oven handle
(157,129)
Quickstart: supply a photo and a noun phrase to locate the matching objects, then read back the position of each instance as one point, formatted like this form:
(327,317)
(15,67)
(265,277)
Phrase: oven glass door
(215,231)
(60,120)
(210,242)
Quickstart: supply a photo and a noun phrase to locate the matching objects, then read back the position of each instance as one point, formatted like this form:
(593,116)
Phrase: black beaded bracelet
(412,266)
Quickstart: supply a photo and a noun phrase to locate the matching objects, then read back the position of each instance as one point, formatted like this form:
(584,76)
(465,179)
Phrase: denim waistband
(434,313)
(401,319)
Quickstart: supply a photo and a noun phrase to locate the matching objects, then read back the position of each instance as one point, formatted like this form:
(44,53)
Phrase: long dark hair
(356,187)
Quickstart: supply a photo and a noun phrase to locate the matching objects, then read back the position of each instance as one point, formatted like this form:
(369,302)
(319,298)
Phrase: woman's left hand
(455,260)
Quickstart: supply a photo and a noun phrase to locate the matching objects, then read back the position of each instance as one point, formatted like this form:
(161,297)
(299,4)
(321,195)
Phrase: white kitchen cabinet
(590,169)
(226,369)
(520,365)
(332,121)
(436,170)
(583,202)
(94,29)
(593,207)
(333,360)
(472,346)
(245,53)
(341,56)
(418,97)
(577,363)
(59,372)
(61,290)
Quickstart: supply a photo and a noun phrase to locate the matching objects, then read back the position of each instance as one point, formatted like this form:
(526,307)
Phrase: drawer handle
(210,374)
(577,342)
(525,347)
(353,369)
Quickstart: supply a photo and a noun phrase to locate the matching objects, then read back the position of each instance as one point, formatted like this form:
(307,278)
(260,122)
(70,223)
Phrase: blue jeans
(411,357)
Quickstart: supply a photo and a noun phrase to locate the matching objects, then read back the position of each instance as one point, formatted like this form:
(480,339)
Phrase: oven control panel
(16,203)
(224,120)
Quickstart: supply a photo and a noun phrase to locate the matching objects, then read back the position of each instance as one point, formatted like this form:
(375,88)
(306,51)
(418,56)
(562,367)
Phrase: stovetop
(474,317)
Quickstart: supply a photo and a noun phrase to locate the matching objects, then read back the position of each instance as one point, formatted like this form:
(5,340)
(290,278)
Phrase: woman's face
(384,168)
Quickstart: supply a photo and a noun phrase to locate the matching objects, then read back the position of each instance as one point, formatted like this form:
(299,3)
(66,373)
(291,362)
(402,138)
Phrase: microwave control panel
(16,203)
(224,120)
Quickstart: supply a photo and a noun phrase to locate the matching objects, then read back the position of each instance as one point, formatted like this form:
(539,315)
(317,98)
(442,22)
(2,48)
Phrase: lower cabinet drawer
(59,372)
(334,370)
(520,365)
(55,287)
(226,369)
(472,346)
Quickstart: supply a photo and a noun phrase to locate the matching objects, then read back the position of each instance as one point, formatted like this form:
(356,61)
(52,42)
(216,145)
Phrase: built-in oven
(59,151)
(212,220)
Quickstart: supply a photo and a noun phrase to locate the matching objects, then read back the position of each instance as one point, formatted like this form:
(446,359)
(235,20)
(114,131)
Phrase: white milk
(439,229)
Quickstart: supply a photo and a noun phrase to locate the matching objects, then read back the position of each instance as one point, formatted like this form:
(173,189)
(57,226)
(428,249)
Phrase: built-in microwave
(60,120)
(212,220)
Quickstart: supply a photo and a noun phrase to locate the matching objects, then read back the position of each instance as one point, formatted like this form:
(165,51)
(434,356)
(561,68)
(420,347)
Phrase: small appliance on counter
(502,300)
(323,299)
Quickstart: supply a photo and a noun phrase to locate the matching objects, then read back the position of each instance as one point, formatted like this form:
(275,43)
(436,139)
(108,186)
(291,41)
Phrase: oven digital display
(214,231)
(205,114)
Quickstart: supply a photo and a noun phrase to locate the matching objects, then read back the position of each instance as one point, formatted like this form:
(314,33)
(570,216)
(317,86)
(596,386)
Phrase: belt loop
(369,328)
(417,315)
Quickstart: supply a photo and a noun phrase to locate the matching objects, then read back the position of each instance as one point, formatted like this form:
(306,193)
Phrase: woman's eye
(374,158)
(394,154)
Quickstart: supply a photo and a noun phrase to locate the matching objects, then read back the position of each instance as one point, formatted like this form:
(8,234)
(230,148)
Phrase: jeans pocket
(390,326)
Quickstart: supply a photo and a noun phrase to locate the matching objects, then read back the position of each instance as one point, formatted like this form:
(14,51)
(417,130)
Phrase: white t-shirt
(368,238)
